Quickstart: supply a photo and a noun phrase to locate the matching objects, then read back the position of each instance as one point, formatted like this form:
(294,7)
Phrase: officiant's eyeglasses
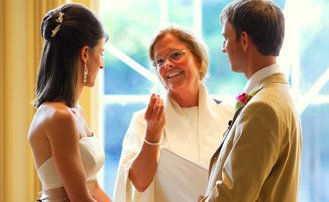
(173,56)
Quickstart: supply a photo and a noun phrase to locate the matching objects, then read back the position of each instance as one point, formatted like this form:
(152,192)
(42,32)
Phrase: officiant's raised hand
(143,169)
(155,118)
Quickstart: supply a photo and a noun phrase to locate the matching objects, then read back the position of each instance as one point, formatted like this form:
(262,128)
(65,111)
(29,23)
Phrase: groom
(259,158)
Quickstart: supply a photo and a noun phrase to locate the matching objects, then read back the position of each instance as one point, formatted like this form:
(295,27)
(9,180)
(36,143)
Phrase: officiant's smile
(177,66)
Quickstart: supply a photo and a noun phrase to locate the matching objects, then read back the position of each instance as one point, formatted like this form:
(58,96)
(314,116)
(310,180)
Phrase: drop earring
(85,73)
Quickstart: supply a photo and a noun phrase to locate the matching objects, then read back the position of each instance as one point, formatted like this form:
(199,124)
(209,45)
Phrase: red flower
(243,99)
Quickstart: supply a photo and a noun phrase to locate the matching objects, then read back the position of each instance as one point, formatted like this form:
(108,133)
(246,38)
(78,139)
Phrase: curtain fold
(20,50)
(2,100)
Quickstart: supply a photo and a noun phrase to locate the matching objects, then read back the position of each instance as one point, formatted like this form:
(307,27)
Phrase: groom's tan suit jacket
(259,159)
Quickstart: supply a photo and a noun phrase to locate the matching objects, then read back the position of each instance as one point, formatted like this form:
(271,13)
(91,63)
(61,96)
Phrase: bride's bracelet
(152,143)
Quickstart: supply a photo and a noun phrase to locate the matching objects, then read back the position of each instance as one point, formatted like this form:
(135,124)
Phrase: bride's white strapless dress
(92,156)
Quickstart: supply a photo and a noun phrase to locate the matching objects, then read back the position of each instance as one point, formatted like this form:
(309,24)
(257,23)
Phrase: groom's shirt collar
(259,76)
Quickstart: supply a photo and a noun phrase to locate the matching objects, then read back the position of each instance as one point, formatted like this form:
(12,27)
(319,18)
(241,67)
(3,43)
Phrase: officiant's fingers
(157,107)
(149,109)
(162,114)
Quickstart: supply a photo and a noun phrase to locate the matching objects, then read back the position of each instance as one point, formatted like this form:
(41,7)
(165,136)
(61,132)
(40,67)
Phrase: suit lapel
(230,124)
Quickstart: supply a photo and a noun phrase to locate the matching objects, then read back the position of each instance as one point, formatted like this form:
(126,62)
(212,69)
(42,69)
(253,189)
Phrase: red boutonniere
(243,99)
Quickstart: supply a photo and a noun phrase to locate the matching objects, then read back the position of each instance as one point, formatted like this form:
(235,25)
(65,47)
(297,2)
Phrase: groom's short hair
(263,20)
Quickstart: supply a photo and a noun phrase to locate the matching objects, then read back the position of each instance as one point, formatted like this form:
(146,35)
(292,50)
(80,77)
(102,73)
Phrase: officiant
(187,121)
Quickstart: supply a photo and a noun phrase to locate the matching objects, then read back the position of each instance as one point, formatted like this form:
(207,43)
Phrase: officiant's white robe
(213,121)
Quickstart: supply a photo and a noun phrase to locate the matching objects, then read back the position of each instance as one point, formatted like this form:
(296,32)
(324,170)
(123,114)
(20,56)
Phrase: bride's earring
(85,73)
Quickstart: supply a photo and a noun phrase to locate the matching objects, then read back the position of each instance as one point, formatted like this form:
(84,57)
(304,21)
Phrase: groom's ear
(245,40)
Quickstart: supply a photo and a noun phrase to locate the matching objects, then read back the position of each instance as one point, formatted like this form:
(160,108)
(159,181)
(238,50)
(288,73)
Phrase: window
(129,79)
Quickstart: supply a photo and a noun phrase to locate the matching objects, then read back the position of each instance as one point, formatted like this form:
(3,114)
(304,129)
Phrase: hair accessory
(58,27)
(85,73)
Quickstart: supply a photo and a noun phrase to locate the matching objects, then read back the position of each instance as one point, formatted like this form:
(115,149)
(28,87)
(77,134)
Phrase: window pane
(116,122)
(130,25)
(315,161)
(181,12)
(120,79)
(221,79)
(315,48)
